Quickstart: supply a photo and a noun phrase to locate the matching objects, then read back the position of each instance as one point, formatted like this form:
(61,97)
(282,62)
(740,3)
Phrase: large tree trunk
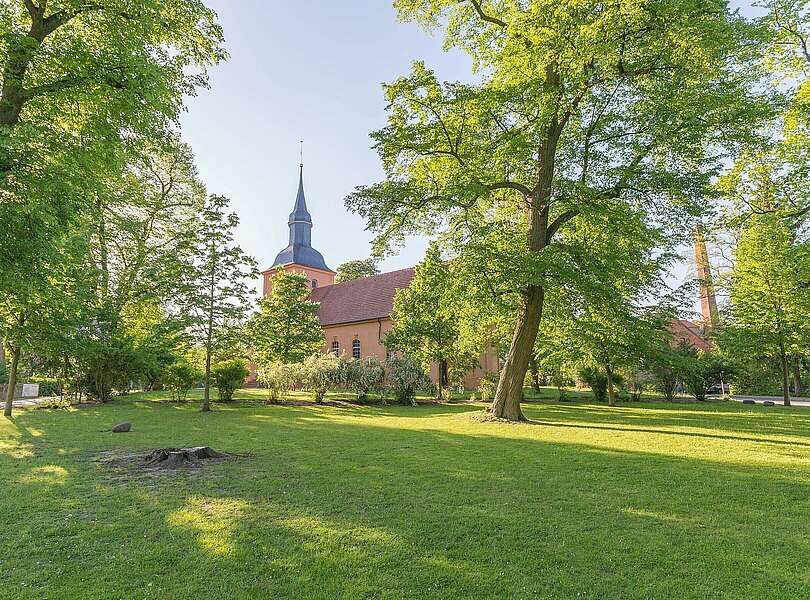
(12,379)
(785,384)
(510,387)
(611,391)
(506,404)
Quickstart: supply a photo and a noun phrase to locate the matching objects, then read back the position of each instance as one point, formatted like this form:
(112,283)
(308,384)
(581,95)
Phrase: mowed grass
(646,500)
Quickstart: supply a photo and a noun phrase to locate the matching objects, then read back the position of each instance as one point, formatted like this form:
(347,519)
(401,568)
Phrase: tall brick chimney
(708,301)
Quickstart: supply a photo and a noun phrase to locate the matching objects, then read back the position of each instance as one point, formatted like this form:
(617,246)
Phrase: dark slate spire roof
(300,212)
(300,250)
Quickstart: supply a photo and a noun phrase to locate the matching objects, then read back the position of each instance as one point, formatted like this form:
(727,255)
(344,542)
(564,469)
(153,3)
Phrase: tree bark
(506,404)
(611,391)
(443,379)
(785,384)
(12,379)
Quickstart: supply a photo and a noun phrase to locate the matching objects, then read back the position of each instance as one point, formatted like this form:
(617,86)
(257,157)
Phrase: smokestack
(708,301)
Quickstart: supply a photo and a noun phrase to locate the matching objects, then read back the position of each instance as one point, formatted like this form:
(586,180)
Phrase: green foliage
(364,376)
(228,376)
(319,373)
(356,269)
(179,378)
(768,318)
(48,386)
(595,379)
(638,381)
(405,376)
(286,329)
(487,386)
(427,321)
(582,122)
(211,282)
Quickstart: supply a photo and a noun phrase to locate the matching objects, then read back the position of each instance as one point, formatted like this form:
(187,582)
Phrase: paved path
(29,402)
(804,402)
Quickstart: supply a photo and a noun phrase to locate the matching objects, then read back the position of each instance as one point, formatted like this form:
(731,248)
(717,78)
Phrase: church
(355,315)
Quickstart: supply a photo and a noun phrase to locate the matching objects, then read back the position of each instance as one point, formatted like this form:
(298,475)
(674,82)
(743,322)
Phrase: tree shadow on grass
(334,504)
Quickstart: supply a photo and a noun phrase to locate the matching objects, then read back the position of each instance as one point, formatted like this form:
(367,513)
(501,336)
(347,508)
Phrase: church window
(314,283)
(356,348)
(336,348)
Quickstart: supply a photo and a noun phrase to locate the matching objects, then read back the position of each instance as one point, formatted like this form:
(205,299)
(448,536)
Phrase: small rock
(122,427)
(748,401)
(769,403)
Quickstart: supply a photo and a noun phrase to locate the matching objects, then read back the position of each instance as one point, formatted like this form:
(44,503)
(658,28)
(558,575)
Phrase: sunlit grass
(646,500)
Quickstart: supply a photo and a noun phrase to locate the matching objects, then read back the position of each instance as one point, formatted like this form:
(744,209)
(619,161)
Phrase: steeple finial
(301,154)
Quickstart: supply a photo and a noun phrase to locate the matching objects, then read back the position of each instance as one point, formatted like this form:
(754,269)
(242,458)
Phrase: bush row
(401,378)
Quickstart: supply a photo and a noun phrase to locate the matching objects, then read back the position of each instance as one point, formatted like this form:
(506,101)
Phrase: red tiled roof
(360,300)
(691,333)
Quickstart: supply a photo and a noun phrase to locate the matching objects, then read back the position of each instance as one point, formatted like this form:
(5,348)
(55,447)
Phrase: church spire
(300,250)
(300,214)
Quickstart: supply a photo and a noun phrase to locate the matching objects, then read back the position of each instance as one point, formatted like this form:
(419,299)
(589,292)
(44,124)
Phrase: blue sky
(311,70)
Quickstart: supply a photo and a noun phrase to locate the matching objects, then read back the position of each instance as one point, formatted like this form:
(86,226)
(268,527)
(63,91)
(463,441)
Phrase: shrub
(280,378)
(488,386)
(700,369)
(638,381)
(179,378)
(229,376)
(405,377)
(364,376)
(321,372)
(48,386)
(596,380)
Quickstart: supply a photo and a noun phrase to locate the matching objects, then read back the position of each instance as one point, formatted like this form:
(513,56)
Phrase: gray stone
(122,427)
(769,403)
(748,401)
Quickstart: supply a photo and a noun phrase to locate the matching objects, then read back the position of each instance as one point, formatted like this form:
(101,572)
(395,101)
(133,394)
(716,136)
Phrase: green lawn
(640,501)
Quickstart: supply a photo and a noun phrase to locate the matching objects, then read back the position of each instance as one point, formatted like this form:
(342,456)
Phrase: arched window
(336,348)
(314,283)
(355,348)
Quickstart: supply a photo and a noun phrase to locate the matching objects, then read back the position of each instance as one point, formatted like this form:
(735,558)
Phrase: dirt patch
(125,466)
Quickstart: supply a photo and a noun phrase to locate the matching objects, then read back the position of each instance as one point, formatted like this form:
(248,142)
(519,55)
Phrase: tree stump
(172,458)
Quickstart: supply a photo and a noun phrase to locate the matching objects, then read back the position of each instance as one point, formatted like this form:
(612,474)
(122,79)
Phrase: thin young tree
(426,321)
(212,293)
(286,328)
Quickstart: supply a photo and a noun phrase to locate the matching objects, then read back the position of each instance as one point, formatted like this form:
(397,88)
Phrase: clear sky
(311,70)
(307,70)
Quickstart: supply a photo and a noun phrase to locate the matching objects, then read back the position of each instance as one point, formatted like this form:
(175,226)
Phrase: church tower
(708,301)
(299,256)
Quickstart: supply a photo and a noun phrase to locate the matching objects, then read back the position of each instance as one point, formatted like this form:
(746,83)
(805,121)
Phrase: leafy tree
(228,376)
(582,113)
(356,269)
(78,82)
(769,312)
(211,291)
(426,321)
(286,329)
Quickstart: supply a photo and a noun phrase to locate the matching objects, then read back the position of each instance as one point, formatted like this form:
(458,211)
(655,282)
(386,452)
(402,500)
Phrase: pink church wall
(371,333)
